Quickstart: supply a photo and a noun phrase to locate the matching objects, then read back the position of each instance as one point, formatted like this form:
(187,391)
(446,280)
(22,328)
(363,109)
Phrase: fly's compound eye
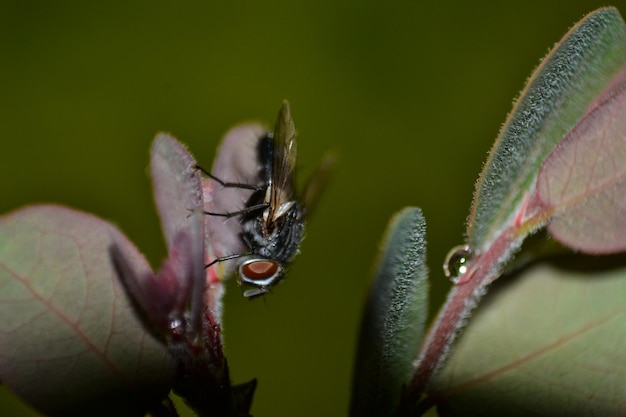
(260,272)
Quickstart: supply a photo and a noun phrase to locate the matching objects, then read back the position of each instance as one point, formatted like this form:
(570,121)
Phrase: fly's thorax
(279,240)
(282,210)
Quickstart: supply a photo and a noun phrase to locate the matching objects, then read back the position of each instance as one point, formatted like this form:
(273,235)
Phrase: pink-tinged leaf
(583,181)
(558,94)
(172,303)
(569,83)
(547,342)
(176,185)
(163,301)
(178,195)
(70,342)
(237,162)
(177,305)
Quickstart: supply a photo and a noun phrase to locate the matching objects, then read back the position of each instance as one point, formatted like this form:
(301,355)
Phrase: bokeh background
(409,94)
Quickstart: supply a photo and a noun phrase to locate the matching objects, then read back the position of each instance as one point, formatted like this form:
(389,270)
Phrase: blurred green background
(411,95)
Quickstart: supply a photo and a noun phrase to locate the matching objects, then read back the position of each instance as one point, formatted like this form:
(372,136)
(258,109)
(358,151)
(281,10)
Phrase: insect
(272,221)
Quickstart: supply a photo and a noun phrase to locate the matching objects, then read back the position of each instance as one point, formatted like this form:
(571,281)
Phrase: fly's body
(272,221)
(273,228)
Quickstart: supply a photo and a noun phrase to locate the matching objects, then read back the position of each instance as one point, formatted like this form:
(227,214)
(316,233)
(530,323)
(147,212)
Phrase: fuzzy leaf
(575,78)
(178,195)
(557,95)
(394,318)
(70,342)
(584,180)
(548,342)
(176,185)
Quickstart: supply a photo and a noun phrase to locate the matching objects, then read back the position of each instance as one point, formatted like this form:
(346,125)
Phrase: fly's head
(271,248)
(260,274)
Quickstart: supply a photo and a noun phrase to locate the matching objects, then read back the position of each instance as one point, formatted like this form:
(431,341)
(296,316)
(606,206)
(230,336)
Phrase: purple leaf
(172,303)
(70,342)
(163,301)
(236,162)
(178,195)
(176,185)
(188,304)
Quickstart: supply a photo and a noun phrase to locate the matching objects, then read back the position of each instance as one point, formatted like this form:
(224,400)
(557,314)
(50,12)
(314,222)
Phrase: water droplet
(176,324)
(456,262)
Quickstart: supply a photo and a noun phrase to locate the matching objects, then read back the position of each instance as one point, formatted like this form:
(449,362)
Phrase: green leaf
(547,342)
(583,181)
(394,318)
(571,102)
(70,342)
(557,95)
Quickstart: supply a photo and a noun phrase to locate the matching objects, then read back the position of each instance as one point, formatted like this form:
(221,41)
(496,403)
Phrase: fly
(272,221)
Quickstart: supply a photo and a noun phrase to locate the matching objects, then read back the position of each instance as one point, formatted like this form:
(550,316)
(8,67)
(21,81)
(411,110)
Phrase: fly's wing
(317,182)
(283,165)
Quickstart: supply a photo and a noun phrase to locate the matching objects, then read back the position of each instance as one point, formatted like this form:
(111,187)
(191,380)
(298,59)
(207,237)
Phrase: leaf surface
(556,97)
(178,195)
(236,161)
(70,342)
(394,318)
(584,180)
(559,124)
(176,185)
(548,342)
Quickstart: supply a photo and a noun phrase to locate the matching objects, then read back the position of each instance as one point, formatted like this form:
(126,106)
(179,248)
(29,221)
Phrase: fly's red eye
(260,270)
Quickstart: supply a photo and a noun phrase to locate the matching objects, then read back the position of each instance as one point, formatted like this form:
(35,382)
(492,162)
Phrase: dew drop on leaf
(456,262)
(176,324)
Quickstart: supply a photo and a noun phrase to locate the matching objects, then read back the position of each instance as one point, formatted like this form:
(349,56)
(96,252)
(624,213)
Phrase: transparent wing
(284,162)
(317,182)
